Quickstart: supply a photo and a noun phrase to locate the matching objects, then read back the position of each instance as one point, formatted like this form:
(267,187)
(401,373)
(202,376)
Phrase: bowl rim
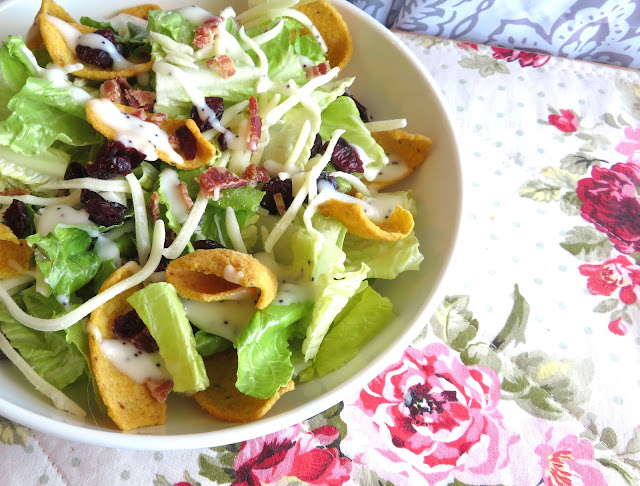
(240,432)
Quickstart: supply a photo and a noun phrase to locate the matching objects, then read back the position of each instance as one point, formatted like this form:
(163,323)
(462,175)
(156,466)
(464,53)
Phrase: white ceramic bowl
(392,83)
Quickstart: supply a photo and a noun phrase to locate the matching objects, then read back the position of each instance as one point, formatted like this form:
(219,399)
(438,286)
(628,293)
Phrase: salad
(190,202)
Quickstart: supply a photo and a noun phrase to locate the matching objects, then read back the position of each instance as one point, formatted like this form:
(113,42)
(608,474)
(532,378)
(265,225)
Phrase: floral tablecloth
(529,371)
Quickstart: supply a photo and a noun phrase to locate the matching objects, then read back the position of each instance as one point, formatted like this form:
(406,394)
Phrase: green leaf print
(13,434)
(570,203)
(486,65)
(514,329)
(541,191)
(587,244)
(580,163)
(630,96)
(454,323)
(607,306)
(214,467)
(330,417)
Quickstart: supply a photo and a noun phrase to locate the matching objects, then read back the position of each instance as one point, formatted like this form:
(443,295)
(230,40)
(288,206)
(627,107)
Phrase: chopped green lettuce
(208,344)
(162,311)
(264,358)
(65,258)
(334,291)
(387,259)
(364,316)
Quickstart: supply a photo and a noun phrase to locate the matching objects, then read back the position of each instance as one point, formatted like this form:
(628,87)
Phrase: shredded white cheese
(140,215)
(384,125)
(233,230)
(188,228)
(114,185)
(299,146)
(356,183)
(59,399)
(92,304)
(263,70)
(41,201)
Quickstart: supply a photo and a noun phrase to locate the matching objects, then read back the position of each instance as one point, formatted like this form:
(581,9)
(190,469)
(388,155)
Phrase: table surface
(529,372)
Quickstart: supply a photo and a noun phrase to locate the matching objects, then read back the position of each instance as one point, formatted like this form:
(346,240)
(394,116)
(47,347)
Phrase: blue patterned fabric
(604,31)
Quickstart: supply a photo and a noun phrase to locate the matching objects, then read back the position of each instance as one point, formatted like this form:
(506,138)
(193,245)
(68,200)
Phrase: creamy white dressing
(369,172)
(133,132)
(195,15)
(74,38)
(96,41)
(292,293)
(48,218)
(136,364)
(58,76)
(232,275)
(107,250)
(395,169)
(169,182)
(121,23)
(226,318)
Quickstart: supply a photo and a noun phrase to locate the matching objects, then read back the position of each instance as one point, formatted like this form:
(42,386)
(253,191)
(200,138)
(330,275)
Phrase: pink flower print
(618,327)
(631,146)
(524,58)
(610,201)
(614,274)
(428,418)
(292,452)
(565,122)
(569,463)
(468,46)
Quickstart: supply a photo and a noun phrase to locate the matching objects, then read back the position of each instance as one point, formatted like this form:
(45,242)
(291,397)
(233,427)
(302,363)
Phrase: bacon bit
(256,124)
(280,206)
(18,191)
(138,98)
(174,142)
(204,35)
(114,89)
(223,65)
(159,389)
(183,192)
(319,70)
(154,206)
(214,179)
(255,173)
(149,117)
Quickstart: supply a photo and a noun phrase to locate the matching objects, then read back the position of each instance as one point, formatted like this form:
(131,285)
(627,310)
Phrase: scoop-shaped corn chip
(223,400)
(406,152)
(140,11)
(62,54)
(334,31)
(395,227)
(102,121)
(15,254)
(219,274)
(129,404)
(34,37)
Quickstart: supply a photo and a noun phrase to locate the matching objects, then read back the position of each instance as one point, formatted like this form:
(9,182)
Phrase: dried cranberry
(344,157)
(207,245)
(162,266)
(222,140)
(101,211)
(75,170)
(169,237)
(273,187)
(17,218)
(145,342)
(128,325)
(364,113)
(99,57)
(325,176)
(187,141)
(213,102)
(110,36)
(114,159)
(316,148)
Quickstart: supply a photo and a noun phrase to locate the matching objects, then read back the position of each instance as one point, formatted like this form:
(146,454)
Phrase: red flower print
(569,463)
(428,418)
(565,122)
(618,327)
(610,201)
(524,58)
(631,146)
(616,273)
(468,46)
(292,452)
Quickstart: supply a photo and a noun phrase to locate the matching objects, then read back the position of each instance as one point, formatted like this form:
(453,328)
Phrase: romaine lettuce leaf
(264,358)
(343,114)
(365,315)
(208,344)
(162,311)
(15,68)
(171,24)
(42,114)
(334,291)
(315,257)
(133,36)
(19,170)
(65,259)
(387,259)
